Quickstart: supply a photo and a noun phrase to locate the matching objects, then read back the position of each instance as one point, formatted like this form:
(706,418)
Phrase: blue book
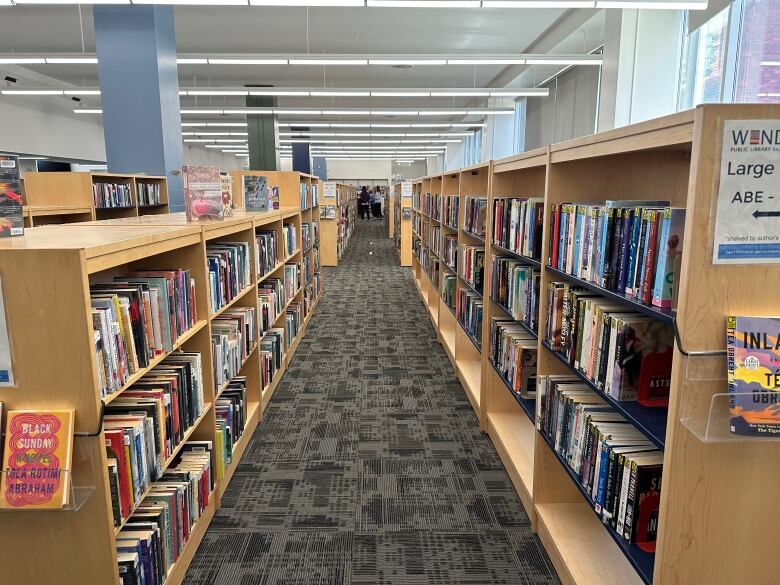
(562,238)
(632,251)
(579,216)
(669,248)
(622,253)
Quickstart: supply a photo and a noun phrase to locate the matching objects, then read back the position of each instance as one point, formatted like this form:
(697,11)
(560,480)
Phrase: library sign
(747,224)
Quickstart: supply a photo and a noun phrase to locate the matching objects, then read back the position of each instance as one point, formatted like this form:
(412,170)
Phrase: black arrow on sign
(758,214)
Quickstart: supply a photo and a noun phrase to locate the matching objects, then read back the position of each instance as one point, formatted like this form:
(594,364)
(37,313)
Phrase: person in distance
(365,203)
(376,202)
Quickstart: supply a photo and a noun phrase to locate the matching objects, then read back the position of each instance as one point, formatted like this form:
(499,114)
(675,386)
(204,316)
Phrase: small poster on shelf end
(406,213)
(11,214)
(406,189)
(202,193)
(747,220)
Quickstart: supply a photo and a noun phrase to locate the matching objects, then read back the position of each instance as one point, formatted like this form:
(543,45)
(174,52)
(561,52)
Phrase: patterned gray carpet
(369,467)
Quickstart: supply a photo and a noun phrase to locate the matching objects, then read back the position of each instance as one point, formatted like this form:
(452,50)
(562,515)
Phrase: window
(519,134)
(472,148)
(758,62)
(704,62)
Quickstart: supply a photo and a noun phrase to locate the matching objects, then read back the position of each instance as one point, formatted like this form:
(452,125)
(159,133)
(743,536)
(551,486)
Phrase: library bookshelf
(338,207)
(67,197)
(401,231)
(81,543)
(706,535)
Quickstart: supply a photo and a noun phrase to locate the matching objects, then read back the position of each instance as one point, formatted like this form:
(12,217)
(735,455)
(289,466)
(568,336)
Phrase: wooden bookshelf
(335,232)
(402,231)
(66,197)
(46,275)
(674,158)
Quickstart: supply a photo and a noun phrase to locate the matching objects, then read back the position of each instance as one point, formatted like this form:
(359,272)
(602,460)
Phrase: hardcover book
(37,459)
(11,218)
(256,193)
(202,193)
(753,358)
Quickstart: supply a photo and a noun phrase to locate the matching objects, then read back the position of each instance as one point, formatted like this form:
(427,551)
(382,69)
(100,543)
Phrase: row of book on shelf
(112,195)
(442,208)
(148,193)
(229,271)
(475,215)
(517,225)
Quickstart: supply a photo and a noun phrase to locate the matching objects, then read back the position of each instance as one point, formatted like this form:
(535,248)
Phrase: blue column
(301,155)
(139,88)
(320,167)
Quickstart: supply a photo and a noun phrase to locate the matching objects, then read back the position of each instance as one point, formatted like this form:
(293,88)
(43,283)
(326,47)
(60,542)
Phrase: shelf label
(747,221)
(329,190)
(406,189)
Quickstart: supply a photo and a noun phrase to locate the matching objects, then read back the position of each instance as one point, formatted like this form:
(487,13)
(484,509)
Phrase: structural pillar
(263,154)
(301,154)
(139,89)
(320,167)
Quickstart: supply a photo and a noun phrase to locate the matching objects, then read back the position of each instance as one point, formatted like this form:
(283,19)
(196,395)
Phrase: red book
(555,235)
(115,445)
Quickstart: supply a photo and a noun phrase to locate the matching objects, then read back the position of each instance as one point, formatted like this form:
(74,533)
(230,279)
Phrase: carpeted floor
(368,467)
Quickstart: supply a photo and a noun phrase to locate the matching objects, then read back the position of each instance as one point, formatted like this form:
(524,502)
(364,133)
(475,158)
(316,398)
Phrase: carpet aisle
(369,467)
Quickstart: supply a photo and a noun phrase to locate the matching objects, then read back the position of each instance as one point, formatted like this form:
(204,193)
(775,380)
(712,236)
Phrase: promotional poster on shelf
(11,215)
(202,193)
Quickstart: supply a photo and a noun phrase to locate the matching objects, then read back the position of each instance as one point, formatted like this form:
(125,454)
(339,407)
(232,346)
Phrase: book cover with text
(753,356)
(37,459)
(202,193)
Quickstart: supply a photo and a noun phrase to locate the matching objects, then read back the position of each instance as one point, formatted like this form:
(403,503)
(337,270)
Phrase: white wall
(357,170)
(194,155)
(455,156)
(48,127)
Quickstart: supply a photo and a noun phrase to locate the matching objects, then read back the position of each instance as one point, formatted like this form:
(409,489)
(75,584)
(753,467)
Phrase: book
(37,459)
(202,193)
(670,248)
(256,197)
(226,181)
(11,216)
(753,356)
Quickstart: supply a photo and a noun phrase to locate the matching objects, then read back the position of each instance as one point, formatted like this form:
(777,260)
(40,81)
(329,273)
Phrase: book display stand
(699,540)
(48,314)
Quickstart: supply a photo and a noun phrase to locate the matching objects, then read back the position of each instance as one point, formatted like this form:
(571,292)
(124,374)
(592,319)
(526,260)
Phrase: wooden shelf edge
(232,302)
(518,459)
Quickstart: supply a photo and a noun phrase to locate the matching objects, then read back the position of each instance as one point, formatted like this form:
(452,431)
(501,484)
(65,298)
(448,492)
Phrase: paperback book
(11,218)
(202,193)
(753,360)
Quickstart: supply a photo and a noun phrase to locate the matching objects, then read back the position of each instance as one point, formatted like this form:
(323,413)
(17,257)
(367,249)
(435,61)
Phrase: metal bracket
(678,341)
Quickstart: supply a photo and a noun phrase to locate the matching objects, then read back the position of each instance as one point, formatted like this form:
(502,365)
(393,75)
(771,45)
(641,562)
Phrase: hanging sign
(406,189)
(747,221)
(329,190)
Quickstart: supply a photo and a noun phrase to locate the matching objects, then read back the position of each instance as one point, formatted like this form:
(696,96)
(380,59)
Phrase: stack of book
(515,286)
(305,201)
(136,318)
(628,247)
(316,233)
(229,271)
(233,335)
(306,235)
(292,280)
(448,282)
(450,251)
(272,300)
(154,537)
(417,201)
(435,240)
(271,354)
(618,469)
(626,354)
(315,195)
(513,353)
(292,322)
(267,251)
(112,195)
(148,193)
(450,211)
(306,268)
(145,424)
(290,239)
(517,225)
(474,216)
(231,417)
(469,313)
(473,266)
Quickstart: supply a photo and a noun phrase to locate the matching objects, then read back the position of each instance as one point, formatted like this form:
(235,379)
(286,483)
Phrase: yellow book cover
(37,459)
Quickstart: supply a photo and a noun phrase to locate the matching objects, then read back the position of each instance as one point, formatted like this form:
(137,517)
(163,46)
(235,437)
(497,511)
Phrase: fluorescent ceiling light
(33,158)
(305,124)
(337,93)
(393,125)
(215,140)
(395,113)
(71,2)
(768,94)
(306,3)
(408,61)
(443,113)
(348,112)
(220,61)
(278,91)
(87,111)
(460,93)
(81,92)
(291,112)
(32,92)
(538,4)
(651,5)
(349,125)
(215,92)
(195,61)
(193,2)
(22,61)
(542,91)
(387,134)
(562,61)
(71,60)
(202,111)
(224,124)
(423,3)
(493,112)
(469,125)
(485,61)
(391,93)
(770,63)
(328,62)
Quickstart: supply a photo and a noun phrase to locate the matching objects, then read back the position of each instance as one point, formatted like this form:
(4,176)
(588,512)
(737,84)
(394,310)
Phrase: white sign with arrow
(747,224)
